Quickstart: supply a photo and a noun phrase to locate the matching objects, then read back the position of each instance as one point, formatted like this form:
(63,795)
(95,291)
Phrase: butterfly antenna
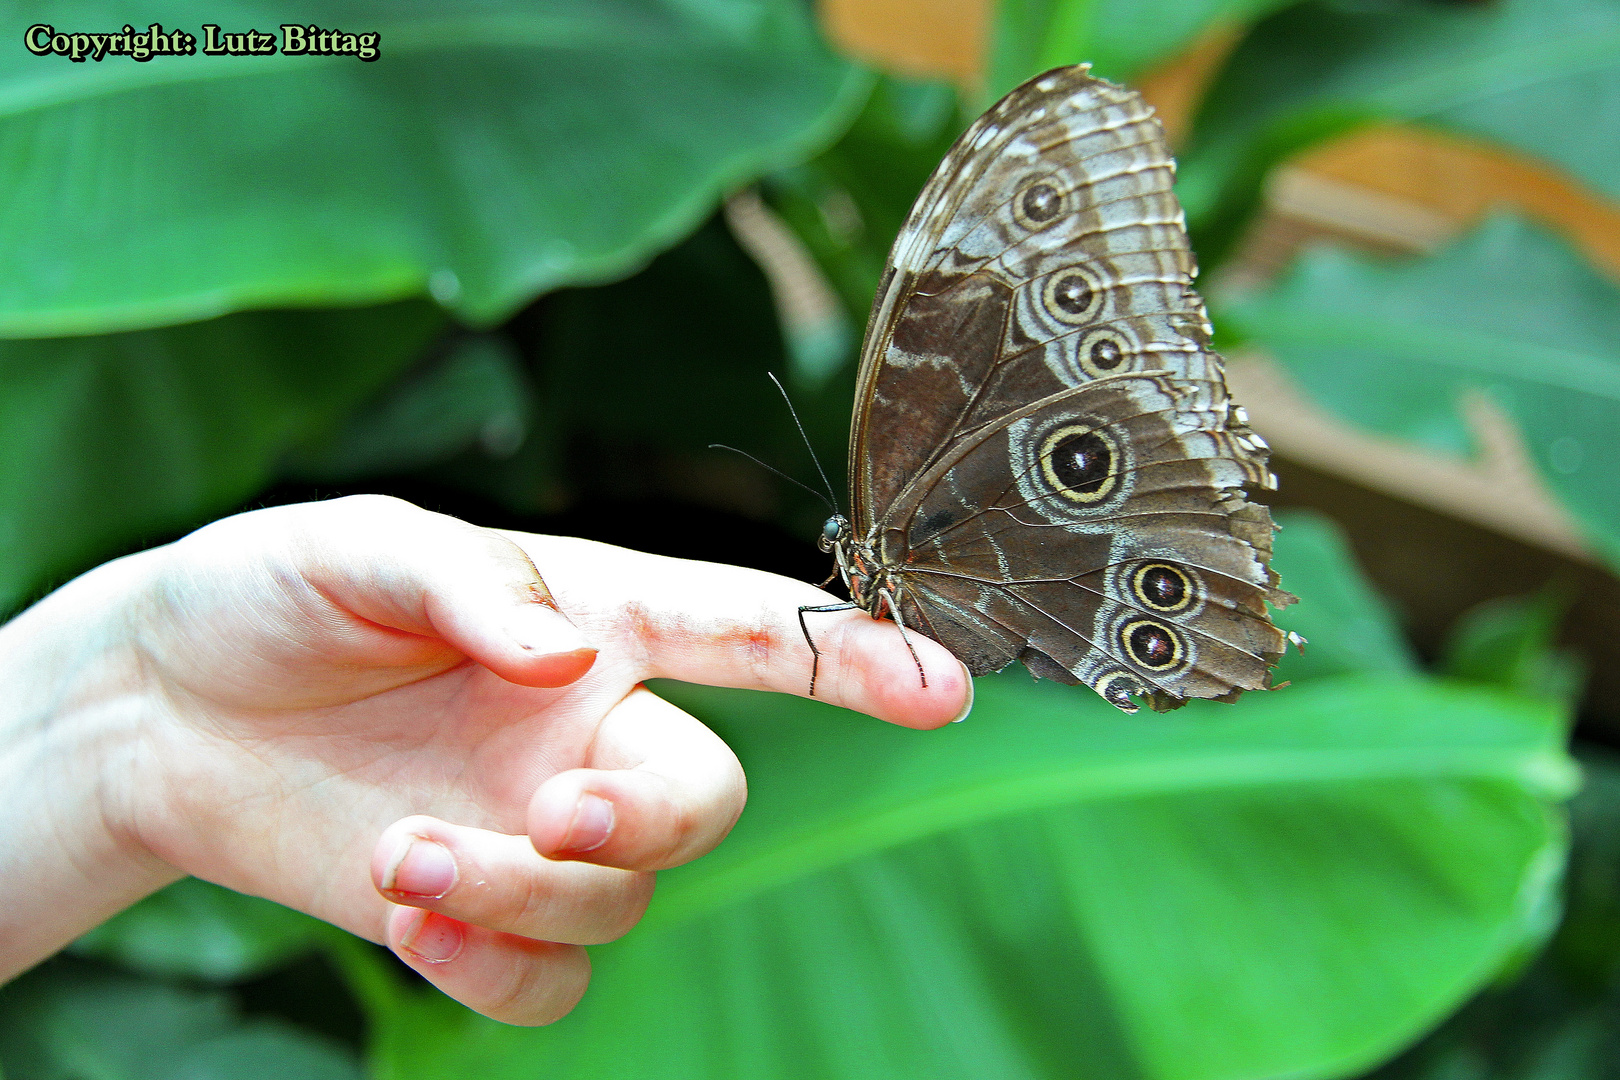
(832,498)
(774,469)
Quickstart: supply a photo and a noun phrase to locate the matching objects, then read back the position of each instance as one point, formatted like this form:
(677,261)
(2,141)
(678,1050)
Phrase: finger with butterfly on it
(721,625)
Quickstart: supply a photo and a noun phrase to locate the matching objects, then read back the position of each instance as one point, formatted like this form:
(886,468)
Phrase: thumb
(425,573)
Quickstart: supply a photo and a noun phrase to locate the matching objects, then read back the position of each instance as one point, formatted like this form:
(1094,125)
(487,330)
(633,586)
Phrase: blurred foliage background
(525,269)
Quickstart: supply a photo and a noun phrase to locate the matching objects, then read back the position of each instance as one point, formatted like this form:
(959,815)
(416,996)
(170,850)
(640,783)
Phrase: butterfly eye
(1150,644)
(832,532)
(1078,463)
(1163,587)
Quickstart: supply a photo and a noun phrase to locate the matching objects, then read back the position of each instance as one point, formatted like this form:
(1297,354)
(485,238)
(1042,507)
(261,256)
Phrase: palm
(348,731)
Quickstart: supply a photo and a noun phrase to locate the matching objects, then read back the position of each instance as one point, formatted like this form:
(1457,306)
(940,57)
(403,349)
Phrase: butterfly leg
(886,599)
(815,653)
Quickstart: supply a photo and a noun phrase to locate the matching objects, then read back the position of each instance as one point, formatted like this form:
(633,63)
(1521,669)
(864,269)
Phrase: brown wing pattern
(1043,447)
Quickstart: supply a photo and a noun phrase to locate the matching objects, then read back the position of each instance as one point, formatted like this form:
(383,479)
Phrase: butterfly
(1045,463)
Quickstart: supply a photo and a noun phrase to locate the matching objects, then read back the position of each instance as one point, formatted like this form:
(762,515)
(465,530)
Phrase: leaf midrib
(867,830)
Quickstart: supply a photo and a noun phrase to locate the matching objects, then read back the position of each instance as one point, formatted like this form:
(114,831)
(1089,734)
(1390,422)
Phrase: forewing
(1047,249)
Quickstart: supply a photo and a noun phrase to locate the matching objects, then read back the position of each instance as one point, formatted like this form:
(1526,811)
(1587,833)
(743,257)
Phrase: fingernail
(963,715)
(592,824)
(545,631)
(434,938)
(420,867)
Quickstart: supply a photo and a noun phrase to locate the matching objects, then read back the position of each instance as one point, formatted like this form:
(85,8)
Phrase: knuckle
(621,917)
(642,630)
(692,824)
(759,647)
(846,661)
(534,904)
(756,643)
(367,509)
(540,987)
(692,830)
(370,503)
(736,797)
(684,828)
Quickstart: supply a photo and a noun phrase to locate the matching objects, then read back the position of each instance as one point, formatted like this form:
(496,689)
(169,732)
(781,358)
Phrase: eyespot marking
(1163,587)
(1116,688)
(1071,296)
(1103,352)
(1038,203)
(1151,644)
(1079,463)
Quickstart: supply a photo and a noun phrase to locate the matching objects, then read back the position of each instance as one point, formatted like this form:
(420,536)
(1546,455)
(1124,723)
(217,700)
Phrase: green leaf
(495,151)
(846,206)
(68,1021)
(1347,625)
(1293,886)
(200,930)
(1509,642)
(694,335)
(1508,310)
(1121,39)
(691,342)
(1586,951)
(1541,76)
(1561,1019)
(476,394)
(848,203)
(108,440)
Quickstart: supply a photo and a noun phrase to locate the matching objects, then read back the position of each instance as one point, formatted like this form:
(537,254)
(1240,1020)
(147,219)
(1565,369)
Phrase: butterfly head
(834,532)
(857,563)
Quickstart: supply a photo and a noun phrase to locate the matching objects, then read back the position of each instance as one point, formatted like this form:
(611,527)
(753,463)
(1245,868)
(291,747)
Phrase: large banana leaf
(1508,309)
(109,441)
(494,151)
(1561,1019)
(1292,886)
(1541,76)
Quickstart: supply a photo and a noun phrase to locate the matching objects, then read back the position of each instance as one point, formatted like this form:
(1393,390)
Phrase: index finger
(721,625)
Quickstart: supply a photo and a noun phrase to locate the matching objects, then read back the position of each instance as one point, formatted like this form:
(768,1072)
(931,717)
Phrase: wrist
(71,728)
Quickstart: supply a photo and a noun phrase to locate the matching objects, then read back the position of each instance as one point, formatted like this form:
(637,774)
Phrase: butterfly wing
(1043,446)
